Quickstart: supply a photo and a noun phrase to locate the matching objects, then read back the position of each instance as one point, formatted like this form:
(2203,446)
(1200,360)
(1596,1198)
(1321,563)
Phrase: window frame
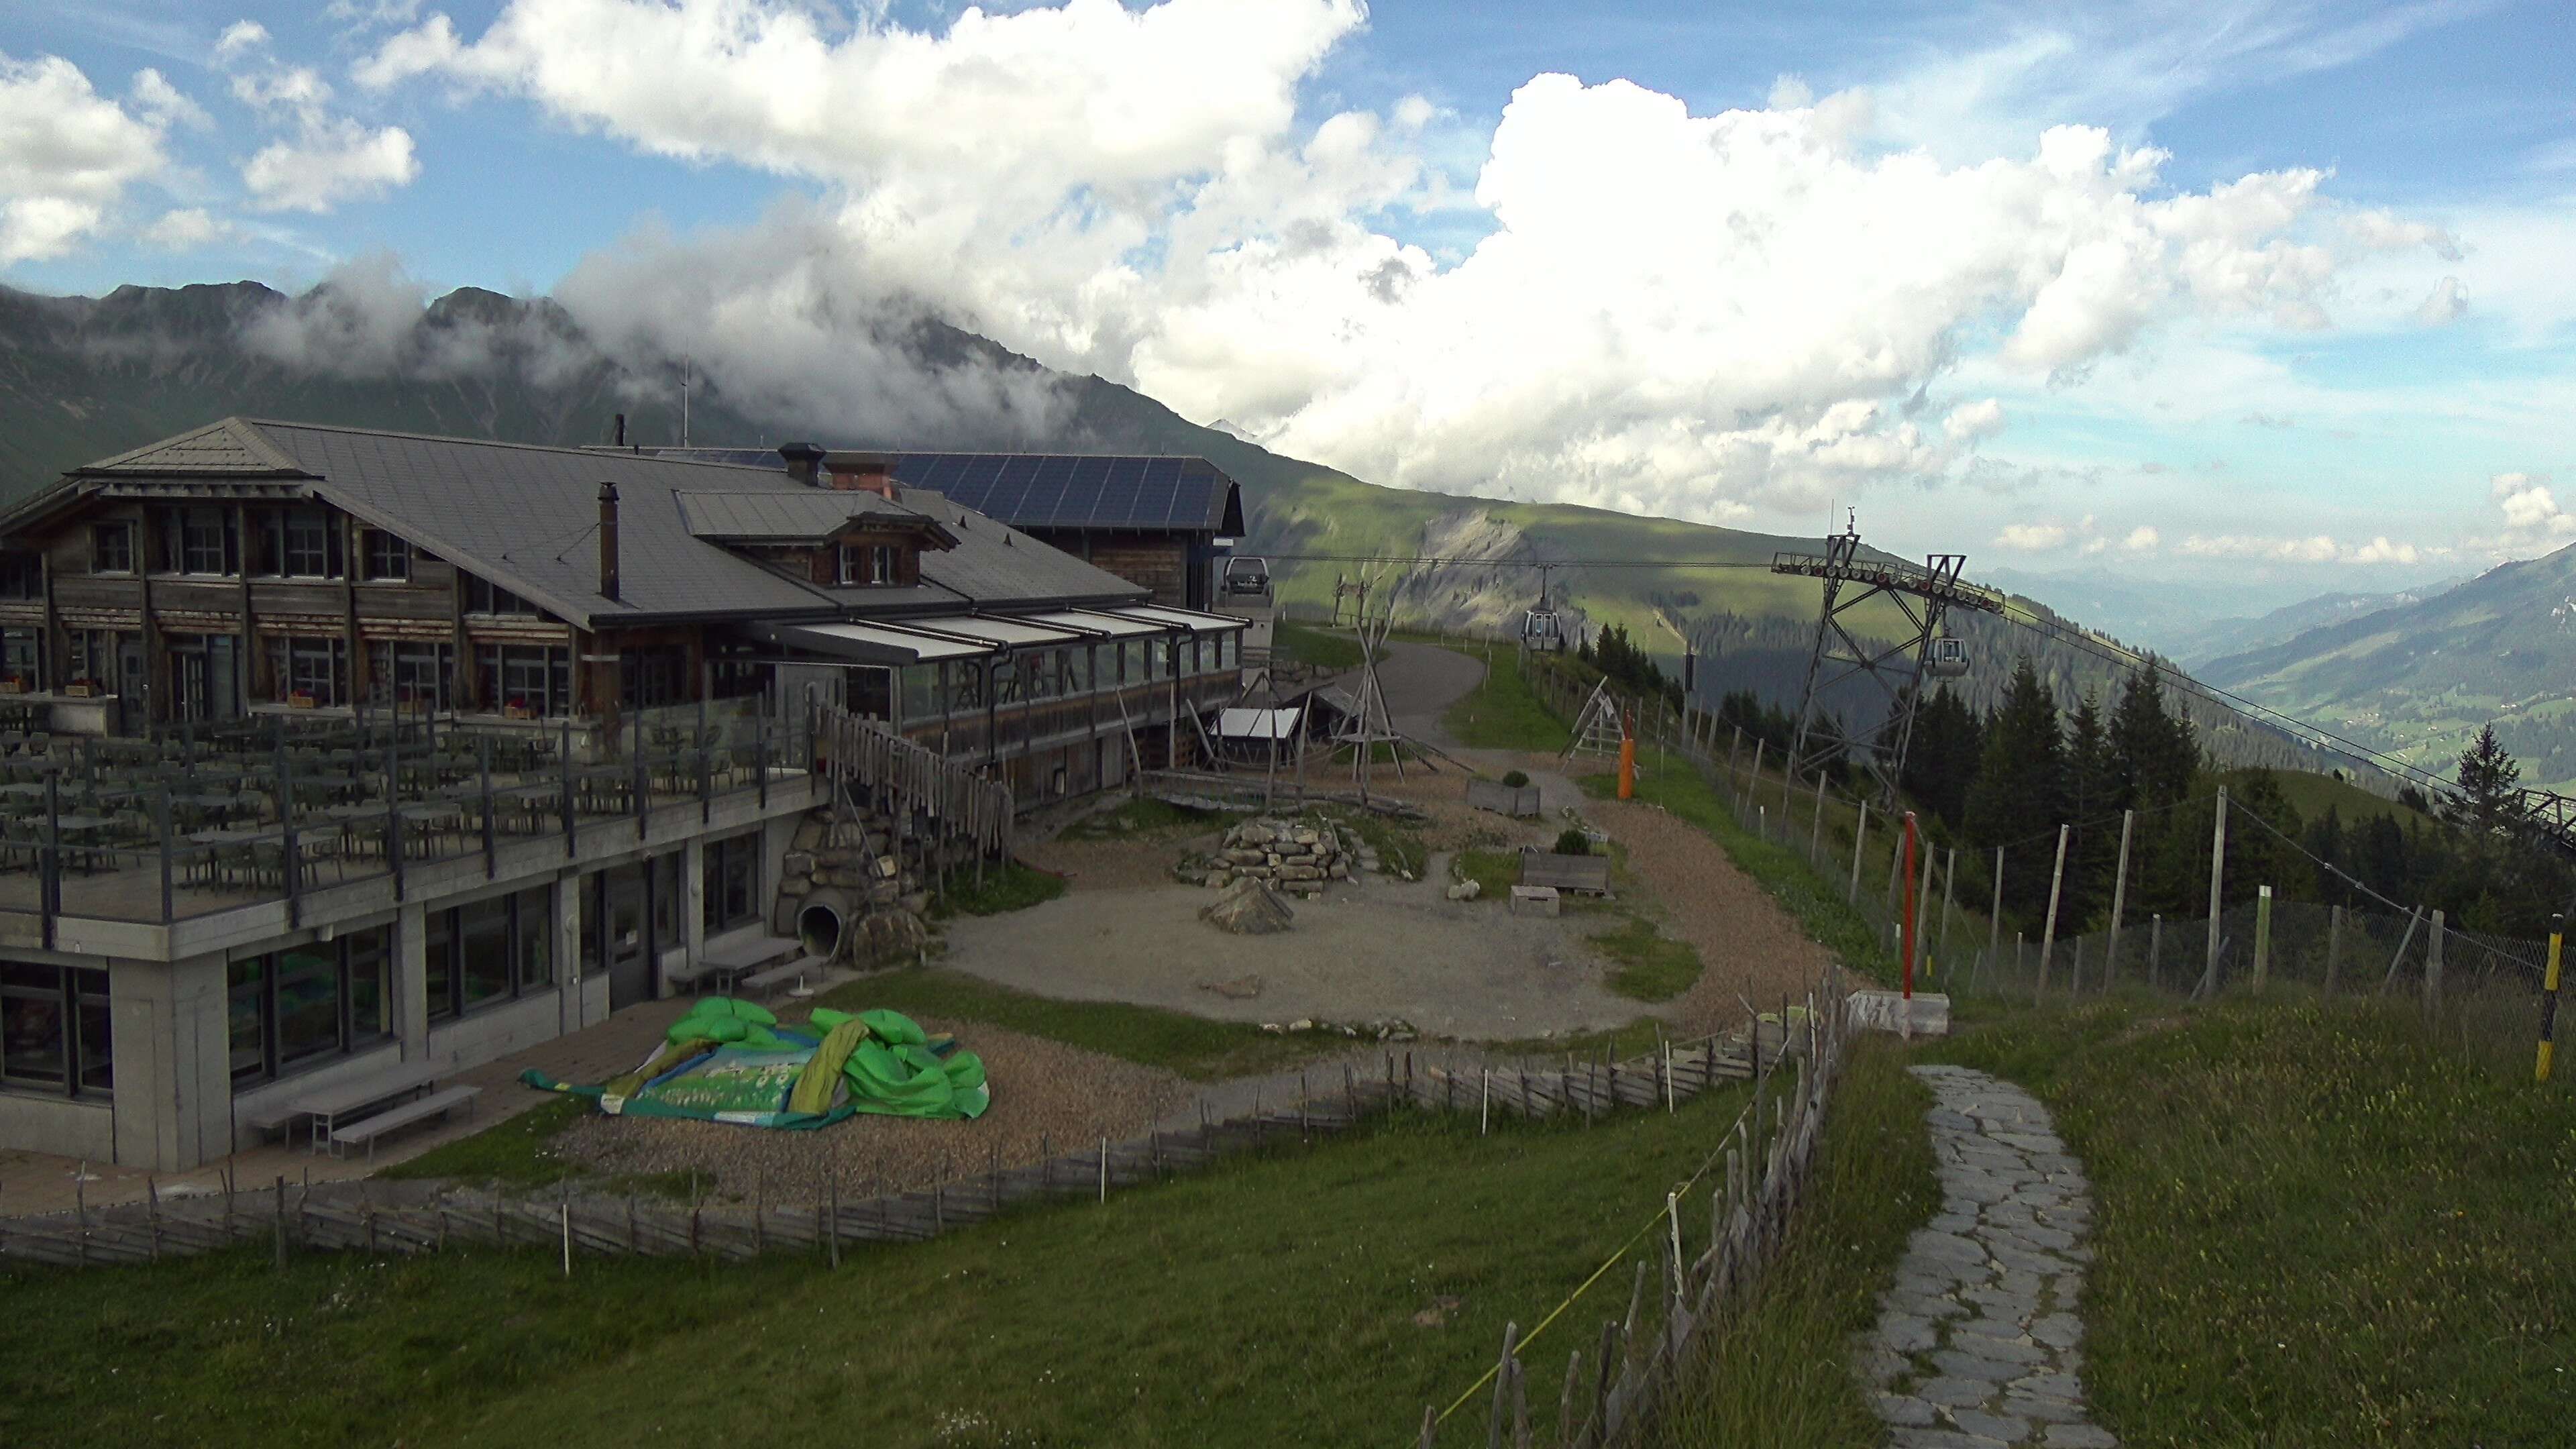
(118,560)
(72,993)
(350,953)
(386,557)
(443,952)
(735,859)
(197,547)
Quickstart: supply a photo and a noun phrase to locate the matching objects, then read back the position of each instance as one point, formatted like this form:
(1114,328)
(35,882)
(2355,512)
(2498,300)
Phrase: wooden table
(331,1103)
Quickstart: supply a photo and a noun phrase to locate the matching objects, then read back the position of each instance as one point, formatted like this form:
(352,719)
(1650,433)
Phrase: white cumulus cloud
(2314,548)
(322,158)
(185,228)
(2531,510)
(2443,304)
(67,153)
(2142,539)
(2032,537)
(1668,312)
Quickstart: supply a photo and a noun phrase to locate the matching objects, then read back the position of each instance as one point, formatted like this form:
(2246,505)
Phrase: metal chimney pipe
(621,430)
(608,540)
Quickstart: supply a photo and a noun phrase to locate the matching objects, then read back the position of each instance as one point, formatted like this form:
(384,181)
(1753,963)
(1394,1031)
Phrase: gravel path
(1043,1092)
(1977,1342)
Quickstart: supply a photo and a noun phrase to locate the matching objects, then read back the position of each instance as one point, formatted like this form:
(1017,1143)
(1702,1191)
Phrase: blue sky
(2297,317)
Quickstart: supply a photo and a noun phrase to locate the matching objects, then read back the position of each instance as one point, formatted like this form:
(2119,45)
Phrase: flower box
(517,711)
(79,689)
(13,686)
(299,700)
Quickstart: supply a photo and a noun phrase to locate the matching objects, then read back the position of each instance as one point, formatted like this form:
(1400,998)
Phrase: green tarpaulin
(732,1061)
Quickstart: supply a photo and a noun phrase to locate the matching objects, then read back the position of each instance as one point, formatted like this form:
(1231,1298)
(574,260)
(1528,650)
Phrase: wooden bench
(436,1104)
(1589,873)
(764,981)
(272,1118)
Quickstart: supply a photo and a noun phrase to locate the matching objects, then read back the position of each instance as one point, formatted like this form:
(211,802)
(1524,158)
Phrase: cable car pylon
(1922,595)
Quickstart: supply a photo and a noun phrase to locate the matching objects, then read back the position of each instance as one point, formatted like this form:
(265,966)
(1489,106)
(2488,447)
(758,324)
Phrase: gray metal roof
(527,518)
(1105,492)
(768,515)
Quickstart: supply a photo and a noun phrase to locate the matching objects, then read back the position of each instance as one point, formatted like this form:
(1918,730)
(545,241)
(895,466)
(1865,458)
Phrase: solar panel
(1029,490)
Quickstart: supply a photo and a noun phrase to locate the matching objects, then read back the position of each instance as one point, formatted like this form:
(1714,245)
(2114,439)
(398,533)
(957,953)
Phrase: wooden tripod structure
(1370,725)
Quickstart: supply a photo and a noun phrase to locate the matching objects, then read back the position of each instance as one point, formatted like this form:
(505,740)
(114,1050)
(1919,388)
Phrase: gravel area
(1044,1093)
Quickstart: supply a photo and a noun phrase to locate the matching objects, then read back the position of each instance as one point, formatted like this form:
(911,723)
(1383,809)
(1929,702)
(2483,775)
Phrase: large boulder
(1248,908)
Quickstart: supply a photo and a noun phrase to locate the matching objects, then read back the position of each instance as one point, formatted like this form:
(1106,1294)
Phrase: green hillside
(2421,679)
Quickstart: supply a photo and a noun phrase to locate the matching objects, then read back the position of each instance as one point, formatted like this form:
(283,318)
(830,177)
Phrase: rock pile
(1292,855)
(1249,907)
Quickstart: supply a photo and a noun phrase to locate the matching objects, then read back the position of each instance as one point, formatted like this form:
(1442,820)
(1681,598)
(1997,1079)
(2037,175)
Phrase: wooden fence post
(2262,936)
(2217,879)
(2433,970)
(1860,832)
(2119,899)
(2048,928)
(2334,946)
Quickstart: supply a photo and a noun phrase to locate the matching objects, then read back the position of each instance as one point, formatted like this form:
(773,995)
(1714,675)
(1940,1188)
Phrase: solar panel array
(1031,490)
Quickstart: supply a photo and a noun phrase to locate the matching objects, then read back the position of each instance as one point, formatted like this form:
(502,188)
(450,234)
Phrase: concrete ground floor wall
(174,1103)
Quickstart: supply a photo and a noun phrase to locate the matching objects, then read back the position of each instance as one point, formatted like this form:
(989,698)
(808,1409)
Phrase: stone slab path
(1978,1343)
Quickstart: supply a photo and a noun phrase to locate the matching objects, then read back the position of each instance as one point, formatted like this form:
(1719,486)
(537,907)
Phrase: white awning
(875,643)
(1115,626)
(994,631)
(1190,619)
(1257,724)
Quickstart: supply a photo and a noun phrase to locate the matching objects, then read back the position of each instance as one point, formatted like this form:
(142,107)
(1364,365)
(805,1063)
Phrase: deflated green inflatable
(731,1061)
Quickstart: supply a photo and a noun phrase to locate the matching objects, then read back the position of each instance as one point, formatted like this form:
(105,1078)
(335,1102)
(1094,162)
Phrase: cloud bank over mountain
(1688,314)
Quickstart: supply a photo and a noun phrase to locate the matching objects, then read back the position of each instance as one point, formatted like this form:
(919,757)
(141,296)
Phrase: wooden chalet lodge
(330,756)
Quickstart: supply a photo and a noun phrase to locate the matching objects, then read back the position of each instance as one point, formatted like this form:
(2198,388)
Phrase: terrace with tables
(199,820)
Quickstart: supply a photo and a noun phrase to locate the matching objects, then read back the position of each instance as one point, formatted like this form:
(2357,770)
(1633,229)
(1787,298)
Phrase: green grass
(1502,714)
(1269,1300)
(1777,1369)
(516,1153)
(1010,886)
(1309,644)
(1650,967)
(1145,815)
(2318,1223)
(1399,847)
(1816,904)
(1495,872)
(1192,1046)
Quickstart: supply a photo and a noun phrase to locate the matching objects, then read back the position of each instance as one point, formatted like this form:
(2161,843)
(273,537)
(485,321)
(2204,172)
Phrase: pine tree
(2153,752)
(2489,781)
(2018,799)
(2093,808)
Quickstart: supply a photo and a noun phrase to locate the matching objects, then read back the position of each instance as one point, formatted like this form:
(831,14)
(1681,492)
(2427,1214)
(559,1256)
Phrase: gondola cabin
(1949,659)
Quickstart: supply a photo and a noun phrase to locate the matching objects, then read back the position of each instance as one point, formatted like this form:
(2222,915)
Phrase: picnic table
(328,1105)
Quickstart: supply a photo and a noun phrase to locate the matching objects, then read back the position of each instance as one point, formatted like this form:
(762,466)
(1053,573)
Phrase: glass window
(21,657)
(532,930)
(532,677)
(414,675)
(308,1002)
(665,886)
(388,556)
(305,543)
(246,1016)
(588,904)
(111,548)
(34,1050)
(94,1046)
(22,574)
(920,692)
(484,597)
(965,685)
(206,541)
(881,564)
(1158,659)
(731,880)
(371,983)
(654,676)
(483,946)
(1043,669)
(314,667)
(441,954)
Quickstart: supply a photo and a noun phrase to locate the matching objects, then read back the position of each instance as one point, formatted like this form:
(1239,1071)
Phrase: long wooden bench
(764,981)
(436,1104)
(1590,873)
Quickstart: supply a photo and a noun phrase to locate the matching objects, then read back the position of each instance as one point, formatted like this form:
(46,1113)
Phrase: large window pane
(245,1017)
(97,1046)
(308,1002)
(483,943)
(371,963)
(535,933)
(441,947)
(31,1025)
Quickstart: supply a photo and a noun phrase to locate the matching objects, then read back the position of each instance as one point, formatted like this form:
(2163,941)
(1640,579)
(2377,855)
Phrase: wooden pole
(2262,936)
(2217,879)
(2433,970)
(2119,899)
(1995,918)
(2048,928)
(1860,833)
(2549,998)
(2334,946)
(1949,889)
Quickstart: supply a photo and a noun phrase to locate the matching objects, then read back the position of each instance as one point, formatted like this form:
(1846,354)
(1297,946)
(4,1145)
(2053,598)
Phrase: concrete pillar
(693,898)
(576,990)
(411,980)
(174,1092)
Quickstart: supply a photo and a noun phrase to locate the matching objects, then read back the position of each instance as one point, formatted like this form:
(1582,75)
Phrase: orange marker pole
(1627,758)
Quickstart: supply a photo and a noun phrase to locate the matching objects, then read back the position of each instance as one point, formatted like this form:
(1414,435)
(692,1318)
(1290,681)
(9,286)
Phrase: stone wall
(863,854)
(1299,855)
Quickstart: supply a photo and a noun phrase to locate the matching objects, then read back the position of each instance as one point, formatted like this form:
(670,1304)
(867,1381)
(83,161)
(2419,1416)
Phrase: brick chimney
(802,461)
(608,540)
(861,473)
